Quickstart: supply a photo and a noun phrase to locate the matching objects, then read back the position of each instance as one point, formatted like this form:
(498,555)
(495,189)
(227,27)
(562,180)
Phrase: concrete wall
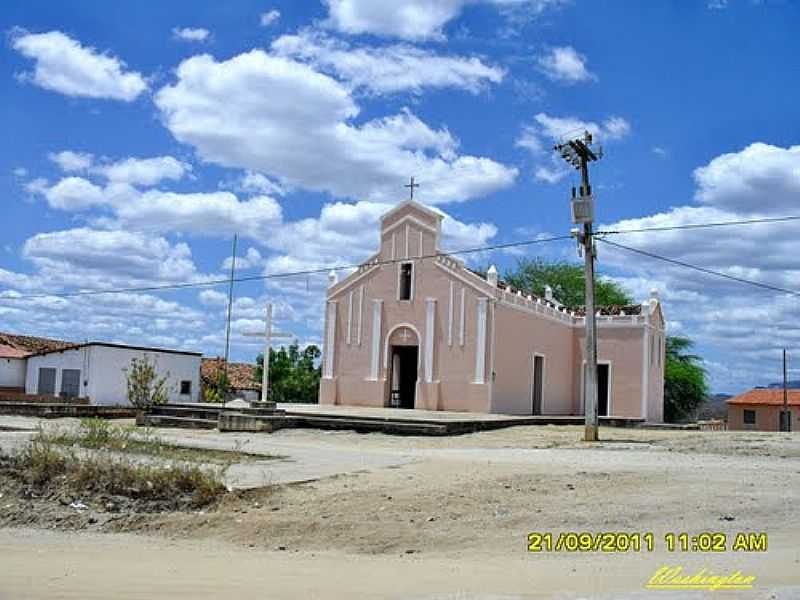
(12,372)
(767,417)
(520,335)
(103,375)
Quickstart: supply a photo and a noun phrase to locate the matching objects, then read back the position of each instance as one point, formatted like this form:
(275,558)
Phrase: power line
(680,263)
(699,225)
(215,282)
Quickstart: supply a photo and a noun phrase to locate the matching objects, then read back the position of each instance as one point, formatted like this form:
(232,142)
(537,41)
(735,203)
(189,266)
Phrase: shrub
(145,387)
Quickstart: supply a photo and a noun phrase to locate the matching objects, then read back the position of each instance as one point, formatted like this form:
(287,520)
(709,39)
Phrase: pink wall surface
(767,417)
(520,335)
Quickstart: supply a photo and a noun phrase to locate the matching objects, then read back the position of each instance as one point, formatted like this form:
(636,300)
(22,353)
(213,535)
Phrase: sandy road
(435,518)
(44,565)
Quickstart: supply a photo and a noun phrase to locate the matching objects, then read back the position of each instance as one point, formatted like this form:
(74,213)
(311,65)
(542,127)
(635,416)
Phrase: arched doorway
(402,350)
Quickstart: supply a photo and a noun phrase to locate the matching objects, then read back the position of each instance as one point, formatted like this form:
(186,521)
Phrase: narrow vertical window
(406,281)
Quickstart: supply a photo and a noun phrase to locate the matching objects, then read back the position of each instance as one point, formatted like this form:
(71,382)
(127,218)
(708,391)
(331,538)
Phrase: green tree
(145,387)
(685,385)
(293,375)
(567,281)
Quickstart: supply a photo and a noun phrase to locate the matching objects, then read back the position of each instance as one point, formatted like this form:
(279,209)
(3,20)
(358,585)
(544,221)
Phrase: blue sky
(140,136)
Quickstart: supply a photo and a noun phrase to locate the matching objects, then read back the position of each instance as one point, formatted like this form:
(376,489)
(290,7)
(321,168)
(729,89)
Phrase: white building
(98,371)
(12,368)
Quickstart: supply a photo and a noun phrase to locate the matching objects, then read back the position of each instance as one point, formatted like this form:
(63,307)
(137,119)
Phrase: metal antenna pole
(230,306)
(579,154)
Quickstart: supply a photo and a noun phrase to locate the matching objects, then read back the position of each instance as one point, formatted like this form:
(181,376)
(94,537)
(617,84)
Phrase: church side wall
(520,335)
(622,347)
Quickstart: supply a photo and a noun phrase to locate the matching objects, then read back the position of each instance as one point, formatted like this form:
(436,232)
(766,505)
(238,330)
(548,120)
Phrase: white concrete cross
(269,335)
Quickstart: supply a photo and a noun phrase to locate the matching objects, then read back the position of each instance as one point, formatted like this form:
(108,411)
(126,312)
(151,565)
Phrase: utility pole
(578,153)
(785,422)
(230,306)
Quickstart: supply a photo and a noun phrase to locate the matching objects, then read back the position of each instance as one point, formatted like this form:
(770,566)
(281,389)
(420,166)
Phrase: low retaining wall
(56,410)
(9,395)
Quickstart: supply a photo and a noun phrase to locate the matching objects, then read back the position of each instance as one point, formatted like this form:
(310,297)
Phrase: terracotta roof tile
(30,344)
(766,396)
(11,352)
(240,375)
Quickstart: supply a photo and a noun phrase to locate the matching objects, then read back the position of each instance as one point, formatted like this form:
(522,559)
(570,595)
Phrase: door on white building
(70,383)
(47,382)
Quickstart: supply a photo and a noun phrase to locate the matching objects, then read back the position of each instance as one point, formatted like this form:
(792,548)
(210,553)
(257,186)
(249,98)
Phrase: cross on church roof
(411,187)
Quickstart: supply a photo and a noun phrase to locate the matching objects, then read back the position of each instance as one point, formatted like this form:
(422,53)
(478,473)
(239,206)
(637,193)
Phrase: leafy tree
(217,391)
(145,387)
(567,281)
(293,375)
(685,386)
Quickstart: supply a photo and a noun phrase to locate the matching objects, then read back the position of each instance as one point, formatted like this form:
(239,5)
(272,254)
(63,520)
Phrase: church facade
(411,328)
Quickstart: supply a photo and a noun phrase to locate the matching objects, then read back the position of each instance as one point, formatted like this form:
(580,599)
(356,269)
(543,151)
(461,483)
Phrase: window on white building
(186,388)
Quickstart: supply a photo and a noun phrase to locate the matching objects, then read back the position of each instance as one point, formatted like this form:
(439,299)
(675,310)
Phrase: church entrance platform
(424,422)
(396,421)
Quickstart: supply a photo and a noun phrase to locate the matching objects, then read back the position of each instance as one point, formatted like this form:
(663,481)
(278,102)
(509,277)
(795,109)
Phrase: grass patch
(47,467)
(99,434)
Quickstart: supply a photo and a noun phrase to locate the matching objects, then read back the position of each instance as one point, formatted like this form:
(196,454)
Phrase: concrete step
(194,412)
(366,425)
(151,420)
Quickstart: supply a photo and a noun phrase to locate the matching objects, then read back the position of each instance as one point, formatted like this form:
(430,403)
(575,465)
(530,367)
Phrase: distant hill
(714,407)
(792,384)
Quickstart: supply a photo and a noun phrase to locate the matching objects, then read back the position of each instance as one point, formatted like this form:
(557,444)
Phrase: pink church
(410,332)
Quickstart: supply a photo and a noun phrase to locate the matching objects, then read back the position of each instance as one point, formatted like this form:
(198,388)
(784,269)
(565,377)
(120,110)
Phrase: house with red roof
(760,409)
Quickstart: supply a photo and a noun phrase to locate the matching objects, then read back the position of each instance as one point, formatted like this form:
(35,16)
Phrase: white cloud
(256,182)
(388,69)
(210,213)
(190,34)
(20,172)
(558,128)
(746,325)
(251,260)
(69,161)
(87,258)
(539,137)
(411,19)
(660,151)
(304,135)
(144,171)
(213,298)
(269,17)
(768,173)
(133,171)
(564,63)
(74,193)
(64,65)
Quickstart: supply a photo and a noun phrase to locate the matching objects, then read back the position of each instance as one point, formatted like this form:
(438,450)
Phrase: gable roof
(241,376)
(766,397)
(114,345)
(26,345)
(414,204)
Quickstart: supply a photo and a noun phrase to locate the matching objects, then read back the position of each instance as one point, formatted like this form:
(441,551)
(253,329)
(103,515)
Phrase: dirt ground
(451,521)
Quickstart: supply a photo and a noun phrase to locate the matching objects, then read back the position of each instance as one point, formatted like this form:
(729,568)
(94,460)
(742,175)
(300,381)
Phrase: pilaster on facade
(375,356)
(430,334)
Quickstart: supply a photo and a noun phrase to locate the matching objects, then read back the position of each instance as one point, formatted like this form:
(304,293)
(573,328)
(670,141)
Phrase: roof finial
(411,187)
(491,276)
(332,278)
